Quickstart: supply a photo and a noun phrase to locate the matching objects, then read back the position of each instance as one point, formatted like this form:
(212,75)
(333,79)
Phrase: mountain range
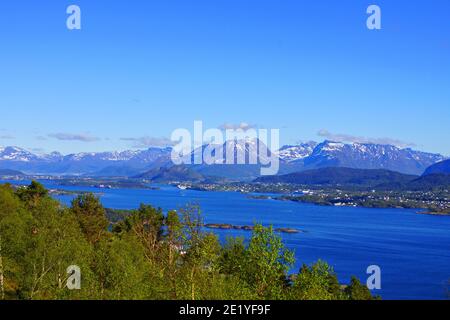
(312,155)
(367,156)
(124,163)
(154,162)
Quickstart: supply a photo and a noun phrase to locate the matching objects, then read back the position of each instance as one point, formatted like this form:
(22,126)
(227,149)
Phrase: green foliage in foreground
(145,255)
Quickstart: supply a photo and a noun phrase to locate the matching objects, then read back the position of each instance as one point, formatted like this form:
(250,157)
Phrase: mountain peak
(13,153)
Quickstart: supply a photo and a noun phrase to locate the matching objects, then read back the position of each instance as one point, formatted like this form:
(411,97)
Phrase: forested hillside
(146,255)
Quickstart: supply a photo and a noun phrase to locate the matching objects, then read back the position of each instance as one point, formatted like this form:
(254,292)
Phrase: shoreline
(430,213)
(322,201)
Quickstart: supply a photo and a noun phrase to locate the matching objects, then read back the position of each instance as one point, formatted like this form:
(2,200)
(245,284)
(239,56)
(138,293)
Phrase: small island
(225,226)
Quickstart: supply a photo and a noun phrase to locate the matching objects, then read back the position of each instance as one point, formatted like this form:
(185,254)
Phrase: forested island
(145,254)
(434,201)
(430,202)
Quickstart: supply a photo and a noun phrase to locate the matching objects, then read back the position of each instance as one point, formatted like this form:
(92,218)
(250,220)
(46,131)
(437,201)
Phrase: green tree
(233,256)
(91,216)
(15,232)
(39,241)
(172,249)
(201,252)
(32,194)
(267,263)
(192,239)
(317,282)
(121,268)
(146,224)
(56,243)
(357,291)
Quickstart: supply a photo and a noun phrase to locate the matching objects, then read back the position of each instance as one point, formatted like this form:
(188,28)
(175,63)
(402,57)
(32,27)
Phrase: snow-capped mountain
(140,156)
(244,151)
(108,163)
(213,160)
(296,152)
(293,158)
(54,156)
(151,155)
(16,154)
(370,156)
(103,156)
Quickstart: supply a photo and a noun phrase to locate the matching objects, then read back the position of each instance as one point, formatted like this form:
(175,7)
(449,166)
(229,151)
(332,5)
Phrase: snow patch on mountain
(291,153)
(16,154)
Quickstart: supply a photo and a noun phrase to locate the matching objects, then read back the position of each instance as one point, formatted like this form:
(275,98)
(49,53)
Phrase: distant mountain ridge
(340,176)
(293,158)
(424,183)
(9,172)
(442,167)
(312,155)
(126,163)
(378,179)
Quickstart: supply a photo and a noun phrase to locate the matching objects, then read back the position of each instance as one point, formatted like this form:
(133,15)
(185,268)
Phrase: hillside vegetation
(442,167)
(362,179)
(340,176)
(144,255)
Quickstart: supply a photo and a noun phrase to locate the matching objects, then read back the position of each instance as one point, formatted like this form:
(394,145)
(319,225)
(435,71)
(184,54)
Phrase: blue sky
(144,68)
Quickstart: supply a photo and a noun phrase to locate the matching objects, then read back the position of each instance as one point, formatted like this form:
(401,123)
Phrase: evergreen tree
(357,291)
(91,216)
(318,282)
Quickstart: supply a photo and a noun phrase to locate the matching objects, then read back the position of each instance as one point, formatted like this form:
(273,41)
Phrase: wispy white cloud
(242,125)
(38,150)
(145,142)
(359,139)
(7,137)
(73,137)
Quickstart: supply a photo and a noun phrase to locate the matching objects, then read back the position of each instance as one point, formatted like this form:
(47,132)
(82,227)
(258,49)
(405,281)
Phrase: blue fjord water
(412,250)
